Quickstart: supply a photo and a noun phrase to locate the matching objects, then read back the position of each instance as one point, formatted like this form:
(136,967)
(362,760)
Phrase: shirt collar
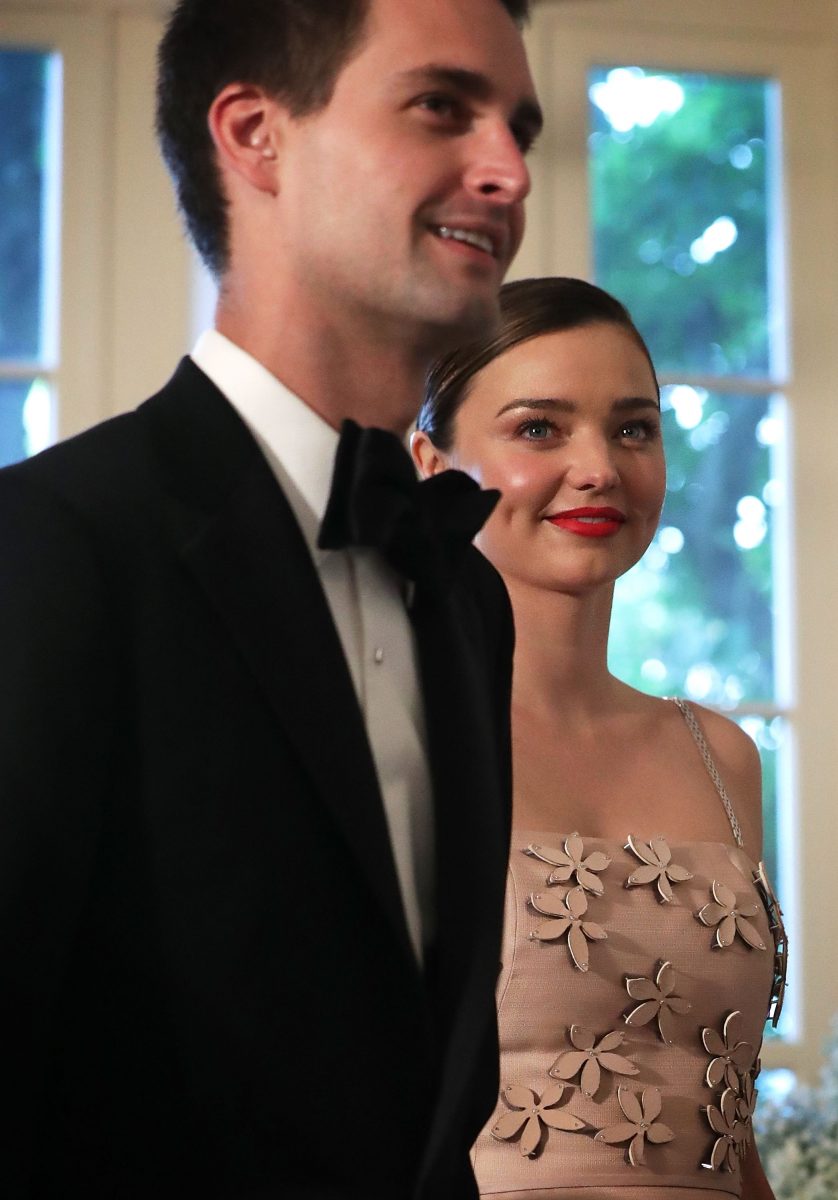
(298,444)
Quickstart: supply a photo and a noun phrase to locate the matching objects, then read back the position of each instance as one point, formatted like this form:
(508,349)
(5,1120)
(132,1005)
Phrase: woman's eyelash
(536,423)
(649,429)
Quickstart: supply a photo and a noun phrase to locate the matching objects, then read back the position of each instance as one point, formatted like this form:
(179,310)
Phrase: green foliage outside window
(681,182)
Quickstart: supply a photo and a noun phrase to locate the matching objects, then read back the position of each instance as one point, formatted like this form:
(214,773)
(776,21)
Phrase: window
(685,181)
(30,86)
(95,273)
(742,248)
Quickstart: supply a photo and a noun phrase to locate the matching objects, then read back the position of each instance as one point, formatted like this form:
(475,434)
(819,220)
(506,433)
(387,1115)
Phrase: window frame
(125,274)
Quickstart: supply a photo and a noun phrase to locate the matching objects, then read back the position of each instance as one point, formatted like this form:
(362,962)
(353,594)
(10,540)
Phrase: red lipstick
(596,522)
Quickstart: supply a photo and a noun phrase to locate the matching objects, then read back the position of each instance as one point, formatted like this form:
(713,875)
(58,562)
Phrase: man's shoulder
(107,467)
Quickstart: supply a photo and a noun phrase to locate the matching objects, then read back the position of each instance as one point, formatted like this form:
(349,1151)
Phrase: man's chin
(455,324)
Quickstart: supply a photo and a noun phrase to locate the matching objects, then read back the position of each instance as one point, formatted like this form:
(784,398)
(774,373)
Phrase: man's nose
(498,169)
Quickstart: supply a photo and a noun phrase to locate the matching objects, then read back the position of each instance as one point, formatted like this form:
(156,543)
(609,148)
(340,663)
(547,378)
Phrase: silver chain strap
(704,750)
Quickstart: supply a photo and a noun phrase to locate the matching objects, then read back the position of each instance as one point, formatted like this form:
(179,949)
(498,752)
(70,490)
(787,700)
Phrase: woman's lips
(589,522)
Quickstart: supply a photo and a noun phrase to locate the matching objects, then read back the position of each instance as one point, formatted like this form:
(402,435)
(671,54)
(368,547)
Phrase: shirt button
(378,655)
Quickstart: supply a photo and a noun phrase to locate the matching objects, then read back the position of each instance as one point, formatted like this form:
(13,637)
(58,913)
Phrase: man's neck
(337,373)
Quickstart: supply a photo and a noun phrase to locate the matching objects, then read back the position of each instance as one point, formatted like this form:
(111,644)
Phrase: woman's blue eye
(639,431)
(536,431)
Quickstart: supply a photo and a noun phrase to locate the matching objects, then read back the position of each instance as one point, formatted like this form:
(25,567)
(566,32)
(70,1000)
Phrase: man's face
(401,202)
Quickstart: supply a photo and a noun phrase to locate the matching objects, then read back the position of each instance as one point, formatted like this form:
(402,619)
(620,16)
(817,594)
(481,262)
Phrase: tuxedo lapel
(238,536)
(469,761)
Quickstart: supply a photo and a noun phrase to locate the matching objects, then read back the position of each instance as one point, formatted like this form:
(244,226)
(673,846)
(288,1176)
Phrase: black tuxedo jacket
(207,984)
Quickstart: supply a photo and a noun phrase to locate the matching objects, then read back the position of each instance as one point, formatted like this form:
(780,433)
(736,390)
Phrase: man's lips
(484,238)
(589,522)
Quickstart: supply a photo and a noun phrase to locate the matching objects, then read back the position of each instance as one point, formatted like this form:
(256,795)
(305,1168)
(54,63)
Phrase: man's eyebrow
(555,404)
(527,112)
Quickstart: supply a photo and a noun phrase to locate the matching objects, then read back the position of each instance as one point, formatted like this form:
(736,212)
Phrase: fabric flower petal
(641,989)
(617,1064)
(643,1014)
(578,946)
(567,1064)
(611,1041)
(531,1137)
(666,1026)
(643,852)
(678,874)
(577,902)
(589,881)
(630,1104)
(723,894)
(711,913)
(598,861)
(508,1125)
(713,1044)
(582,1038)
(594,931)
(549,903)
(651,1103)
(726,931)
(659,1133)
(552,1094)
(614,1134)
(519,1097)
(574,848)
(748,933)
(660,848)
(590,1078)
(636,1146)
(665,889)
(550,931)
(643,875)
(560,1118)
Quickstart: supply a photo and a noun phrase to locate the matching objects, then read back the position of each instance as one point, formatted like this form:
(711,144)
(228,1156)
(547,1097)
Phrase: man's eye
(524,138)
(441,105)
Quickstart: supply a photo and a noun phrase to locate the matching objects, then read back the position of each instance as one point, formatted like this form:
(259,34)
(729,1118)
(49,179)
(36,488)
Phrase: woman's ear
(244,127)
(429,461)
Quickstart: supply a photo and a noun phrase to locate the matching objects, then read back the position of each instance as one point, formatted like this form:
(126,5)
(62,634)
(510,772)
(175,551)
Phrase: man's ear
(243,123)
(429,461)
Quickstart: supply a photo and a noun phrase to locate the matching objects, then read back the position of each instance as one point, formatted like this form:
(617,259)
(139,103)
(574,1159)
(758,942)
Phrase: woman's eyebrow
(556,404)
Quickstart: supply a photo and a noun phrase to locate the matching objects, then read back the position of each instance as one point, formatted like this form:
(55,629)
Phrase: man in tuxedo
(254,765)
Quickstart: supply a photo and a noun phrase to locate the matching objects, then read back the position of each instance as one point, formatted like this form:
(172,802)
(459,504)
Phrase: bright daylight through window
(29,168)
(685,228)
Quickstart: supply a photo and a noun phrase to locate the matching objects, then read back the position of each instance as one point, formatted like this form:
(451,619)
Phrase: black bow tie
(421,528)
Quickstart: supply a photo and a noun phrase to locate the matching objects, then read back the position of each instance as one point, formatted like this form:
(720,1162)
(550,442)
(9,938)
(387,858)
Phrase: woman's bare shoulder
(737,760)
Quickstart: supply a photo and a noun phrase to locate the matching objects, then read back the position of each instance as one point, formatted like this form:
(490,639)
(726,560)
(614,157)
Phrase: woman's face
(567,427)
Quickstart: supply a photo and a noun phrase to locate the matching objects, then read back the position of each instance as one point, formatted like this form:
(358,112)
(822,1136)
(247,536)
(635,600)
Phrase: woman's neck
(561,653)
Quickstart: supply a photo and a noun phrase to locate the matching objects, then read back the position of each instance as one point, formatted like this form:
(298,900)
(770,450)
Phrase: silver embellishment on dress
(704,750)
(778,936)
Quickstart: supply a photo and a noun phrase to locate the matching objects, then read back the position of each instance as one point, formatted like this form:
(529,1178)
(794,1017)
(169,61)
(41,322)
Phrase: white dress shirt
(366,602)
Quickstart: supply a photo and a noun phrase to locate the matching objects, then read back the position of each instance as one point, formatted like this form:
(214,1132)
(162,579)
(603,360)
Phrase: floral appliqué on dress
(640,1126)
(592,1058)
(730,918)
(568,918)
(570,862)
(533,1115)
(732,1056)
(658,999)
(658,866)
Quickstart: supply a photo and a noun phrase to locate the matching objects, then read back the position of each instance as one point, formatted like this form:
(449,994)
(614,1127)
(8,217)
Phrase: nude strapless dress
(637,976)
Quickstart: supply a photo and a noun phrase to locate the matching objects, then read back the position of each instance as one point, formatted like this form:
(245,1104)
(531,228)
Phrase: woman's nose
(593,467)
